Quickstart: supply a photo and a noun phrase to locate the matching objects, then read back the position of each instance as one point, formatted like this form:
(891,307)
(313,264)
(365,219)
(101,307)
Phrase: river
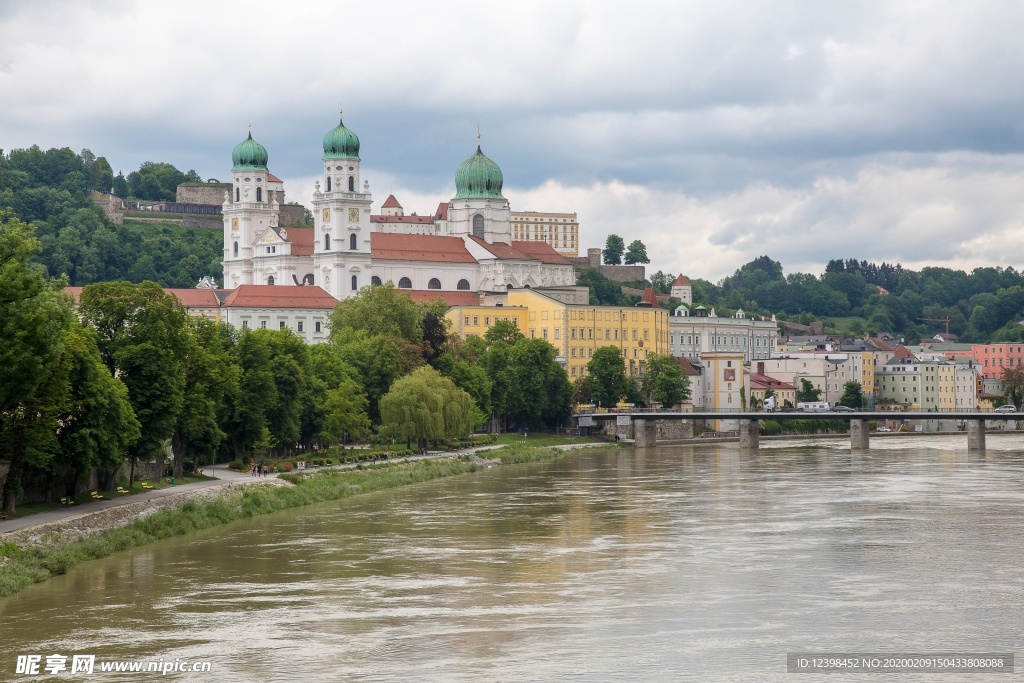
(676,563)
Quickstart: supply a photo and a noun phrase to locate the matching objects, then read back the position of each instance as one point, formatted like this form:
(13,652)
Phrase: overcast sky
(713,132)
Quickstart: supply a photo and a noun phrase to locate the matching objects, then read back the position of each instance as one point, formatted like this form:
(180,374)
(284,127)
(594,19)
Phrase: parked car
(843,409)
(883,429)
(1008,408)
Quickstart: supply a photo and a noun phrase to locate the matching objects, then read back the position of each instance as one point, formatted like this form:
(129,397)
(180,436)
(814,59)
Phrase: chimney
(760,367)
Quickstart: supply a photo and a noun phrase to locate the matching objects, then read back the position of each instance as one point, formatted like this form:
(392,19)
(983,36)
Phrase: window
(236,249)
(466,320)
(476,320)
(434,283)
(270,281)
(351,183)
(478,225)
(487,321)
(245,324)
(328,183)
(263,324)
(238,195)
(352,241)
(463,285)
(281,325)
(355,283)
(316,326)
(405,283)
(327,242)
(259,194)
(298,326)
(375,281)
(558,334)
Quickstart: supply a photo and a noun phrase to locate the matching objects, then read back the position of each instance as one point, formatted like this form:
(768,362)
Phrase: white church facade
(348,249)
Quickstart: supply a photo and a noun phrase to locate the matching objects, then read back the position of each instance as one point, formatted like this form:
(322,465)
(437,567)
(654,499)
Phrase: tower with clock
(341,210)
(248,211)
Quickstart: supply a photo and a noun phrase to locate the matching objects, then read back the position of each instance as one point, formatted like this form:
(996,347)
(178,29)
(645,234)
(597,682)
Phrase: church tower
(478,208)
(248,212)
(341,210)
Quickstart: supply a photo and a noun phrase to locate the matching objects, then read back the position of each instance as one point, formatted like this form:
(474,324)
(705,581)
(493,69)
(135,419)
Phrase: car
(843,409)
(883,429)
(1008,408)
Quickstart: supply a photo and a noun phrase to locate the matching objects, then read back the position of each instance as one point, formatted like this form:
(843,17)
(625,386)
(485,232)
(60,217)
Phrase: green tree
(538,386)
(503,330)
(1013,385)
(636,253)
(142,340)
(853,396)
(607,370)
(344,413)
(664,381)
(101,175)
(807,393)
(603,292)
(383,310)
(426,407)
(119,188)
(613,248)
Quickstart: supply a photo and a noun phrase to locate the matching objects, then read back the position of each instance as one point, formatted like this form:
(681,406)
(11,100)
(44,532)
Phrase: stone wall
(209,222)
(206,193)
(292,216)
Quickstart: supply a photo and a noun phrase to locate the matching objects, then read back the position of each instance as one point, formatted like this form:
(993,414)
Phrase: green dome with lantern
(341,143)
(249,154)
(478,177)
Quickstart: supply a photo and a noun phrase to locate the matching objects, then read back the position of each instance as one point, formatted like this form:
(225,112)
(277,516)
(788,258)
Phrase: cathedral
(348,248)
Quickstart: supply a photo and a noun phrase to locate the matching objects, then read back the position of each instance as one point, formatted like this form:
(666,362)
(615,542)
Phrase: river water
(676,563)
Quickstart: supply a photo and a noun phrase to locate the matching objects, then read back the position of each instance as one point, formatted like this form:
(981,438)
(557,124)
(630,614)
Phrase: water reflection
(682,563)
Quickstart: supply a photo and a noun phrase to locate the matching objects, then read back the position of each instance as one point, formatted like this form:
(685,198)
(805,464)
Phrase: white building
(698,331)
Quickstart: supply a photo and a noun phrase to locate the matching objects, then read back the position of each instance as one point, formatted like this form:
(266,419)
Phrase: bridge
(645,434)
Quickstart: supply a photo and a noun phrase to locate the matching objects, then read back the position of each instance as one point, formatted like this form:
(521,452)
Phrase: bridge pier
(750,435)
(645,434)
(859,435)
(976,436)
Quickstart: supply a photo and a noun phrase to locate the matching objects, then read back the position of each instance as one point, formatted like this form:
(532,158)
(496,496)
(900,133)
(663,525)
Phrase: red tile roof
(681,281)
(649,297)
(196,298)
(757,381)
(501,250)
(391,203)
(425,296)
(541,251)
(401,247)
(302,240)
(687,367)
(283,296)
(271,178)
(376,218)
(442,211)
(902,352)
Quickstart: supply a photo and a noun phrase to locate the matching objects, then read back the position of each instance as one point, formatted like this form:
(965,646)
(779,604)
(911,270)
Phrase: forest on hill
(50,190)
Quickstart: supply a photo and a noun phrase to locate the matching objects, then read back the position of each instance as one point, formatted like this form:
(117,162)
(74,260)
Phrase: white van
(813,407)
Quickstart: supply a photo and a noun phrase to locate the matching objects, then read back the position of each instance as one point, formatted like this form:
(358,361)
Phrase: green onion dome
(478,177)
(249,154)
(341,143)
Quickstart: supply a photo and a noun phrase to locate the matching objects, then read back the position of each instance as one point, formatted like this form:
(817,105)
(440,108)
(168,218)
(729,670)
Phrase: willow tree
(425,406)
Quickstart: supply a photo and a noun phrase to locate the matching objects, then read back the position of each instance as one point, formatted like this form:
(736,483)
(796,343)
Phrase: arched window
(327,242)
(355,283)
(270,280)
(478,225)
(434,283)
(375,281)
(328,183)
(238,195)
(259,194)
(352,241)
(509,286)
(405,283)
(351,183)
(236,249)
(463,285)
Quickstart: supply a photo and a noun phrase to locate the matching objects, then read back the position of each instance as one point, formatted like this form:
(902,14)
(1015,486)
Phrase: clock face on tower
(353,215)
(327,215)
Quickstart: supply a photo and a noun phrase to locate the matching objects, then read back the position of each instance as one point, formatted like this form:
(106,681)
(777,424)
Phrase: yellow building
(574,330)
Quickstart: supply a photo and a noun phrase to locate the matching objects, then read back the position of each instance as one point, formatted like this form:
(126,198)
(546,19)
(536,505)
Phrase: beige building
(560,230)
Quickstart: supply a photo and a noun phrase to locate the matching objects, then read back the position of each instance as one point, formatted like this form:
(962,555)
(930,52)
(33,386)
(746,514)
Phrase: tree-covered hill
(51,190)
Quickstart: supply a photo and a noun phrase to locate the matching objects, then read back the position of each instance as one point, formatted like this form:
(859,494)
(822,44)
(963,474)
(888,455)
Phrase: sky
(712,132)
